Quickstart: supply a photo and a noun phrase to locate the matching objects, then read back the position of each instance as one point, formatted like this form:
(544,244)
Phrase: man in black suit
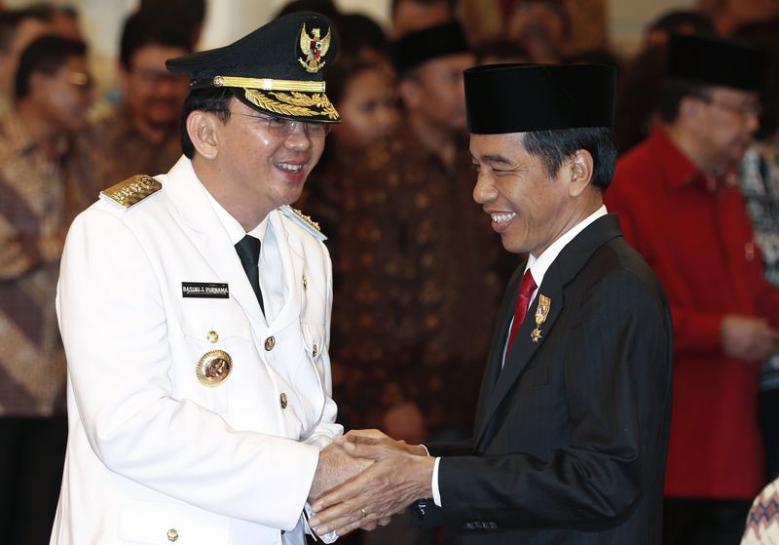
(572,426)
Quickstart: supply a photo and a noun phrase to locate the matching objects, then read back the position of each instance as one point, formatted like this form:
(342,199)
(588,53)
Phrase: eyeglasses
(743,110)
(281,127)
(80,80)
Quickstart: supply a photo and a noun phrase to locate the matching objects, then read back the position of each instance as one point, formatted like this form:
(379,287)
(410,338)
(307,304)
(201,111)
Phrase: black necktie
(248,249)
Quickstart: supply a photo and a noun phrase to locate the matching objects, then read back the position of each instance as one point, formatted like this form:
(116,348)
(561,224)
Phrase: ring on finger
(364,512)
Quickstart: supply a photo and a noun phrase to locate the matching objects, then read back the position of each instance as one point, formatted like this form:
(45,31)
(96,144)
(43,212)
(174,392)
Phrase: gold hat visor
(305,100)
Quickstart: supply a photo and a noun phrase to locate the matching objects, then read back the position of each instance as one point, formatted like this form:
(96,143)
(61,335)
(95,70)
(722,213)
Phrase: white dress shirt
(271,273)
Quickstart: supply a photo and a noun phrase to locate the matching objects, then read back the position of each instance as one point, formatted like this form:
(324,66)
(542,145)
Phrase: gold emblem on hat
(314,47)
(214,367)
(542,311)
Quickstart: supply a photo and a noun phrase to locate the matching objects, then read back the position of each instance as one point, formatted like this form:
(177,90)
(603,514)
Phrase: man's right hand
(335,467)
(748,338)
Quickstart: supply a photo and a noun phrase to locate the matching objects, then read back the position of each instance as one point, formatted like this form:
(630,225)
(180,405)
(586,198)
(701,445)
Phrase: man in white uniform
(195,313)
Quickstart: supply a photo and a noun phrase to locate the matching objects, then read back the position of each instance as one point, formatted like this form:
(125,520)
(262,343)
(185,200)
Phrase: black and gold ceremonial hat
(279,67)
(716,61)
(427,44)
(506,98)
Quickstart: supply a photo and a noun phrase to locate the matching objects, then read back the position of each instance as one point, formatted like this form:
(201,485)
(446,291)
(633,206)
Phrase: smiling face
(529,208)
(153,95)
(259,168)
(725,122)
(64,97)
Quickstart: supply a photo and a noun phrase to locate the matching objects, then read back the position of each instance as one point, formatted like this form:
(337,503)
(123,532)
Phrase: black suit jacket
(570,440)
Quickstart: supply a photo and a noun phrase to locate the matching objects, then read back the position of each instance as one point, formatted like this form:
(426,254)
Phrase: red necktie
(526,289)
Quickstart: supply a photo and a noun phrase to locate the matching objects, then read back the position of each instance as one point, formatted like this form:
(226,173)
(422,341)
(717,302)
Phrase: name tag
(205,290)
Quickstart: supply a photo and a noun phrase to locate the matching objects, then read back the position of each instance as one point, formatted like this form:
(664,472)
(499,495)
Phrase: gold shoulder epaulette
(132,190)
(304,221)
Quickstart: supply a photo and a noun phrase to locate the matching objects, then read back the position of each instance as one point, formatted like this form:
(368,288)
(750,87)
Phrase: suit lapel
(292,262)
(493,367)
(524,347)
(209,236)
(569,262)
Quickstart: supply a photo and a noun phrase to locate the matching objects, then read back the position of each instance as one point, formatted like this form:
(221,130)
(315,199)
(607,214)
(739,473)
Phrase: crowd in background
(418,272)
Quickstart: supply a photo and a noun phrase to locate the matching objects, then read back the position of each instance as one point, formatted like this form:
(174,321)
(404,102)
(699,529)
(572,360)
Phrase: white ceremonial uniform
(154,455)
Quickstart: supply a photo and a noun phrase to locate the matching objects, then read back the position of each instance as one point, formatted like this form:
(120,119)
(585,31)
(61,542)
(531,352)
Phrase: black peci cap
(424,45)
(279,66)
(716,61)
(506,98)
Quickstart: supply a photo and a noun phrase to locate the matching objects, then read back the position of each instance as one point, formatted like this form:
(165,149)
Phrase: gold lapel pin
(214,367)
(542,311)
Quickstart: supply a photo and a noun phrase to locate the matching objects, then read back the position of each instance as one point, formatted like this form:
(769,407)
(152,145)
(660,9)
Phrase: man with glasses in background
(44,182)
(678,198)
(195,312)
(141,134)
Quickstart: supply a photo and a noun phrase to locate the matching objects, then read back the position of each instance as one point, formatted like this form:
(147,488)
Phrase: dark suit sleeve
(459,448)
(616,388)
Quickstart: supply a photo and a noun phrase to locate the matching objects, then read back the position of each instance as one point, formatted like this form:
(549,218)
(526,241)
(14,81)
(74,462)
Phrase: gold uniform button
(314,351)
(172,535)
(212,336)
(270,342)
(305,283)
(283,400)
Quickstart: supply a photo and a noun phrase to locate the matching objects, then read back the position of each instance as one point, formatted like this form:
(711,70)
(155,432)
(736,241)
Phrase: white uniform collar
(233,228)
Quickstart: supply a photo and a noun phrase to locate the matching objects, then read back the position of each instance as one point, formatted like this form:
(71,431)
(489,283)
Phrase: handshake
(366,477)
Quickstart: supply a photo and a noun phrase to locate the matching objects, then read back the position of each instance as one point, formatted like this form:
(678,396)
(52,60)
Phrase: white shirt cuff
(436,492)
(308,513)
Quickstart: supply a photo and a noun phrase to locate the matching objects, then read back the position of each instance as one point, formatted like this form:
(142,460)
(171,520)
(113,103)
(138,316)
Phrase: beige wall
(627,19)
(231,19)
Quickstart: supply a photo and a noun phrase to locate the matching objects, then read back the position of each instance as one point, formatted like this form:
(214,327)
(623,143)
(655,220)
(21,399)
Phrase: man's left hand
(400,475)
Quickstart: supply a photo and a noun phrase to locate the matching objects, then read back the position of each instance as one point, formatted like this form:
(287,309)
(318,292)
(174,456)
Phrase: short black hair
(555,146)
(211,99)
(188,15)
(46,54)
(144,28)
(674,91)
(12,18)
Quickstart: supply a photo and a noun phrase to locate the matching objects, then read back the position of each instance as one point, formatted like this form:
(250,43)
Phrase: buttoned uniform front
(154,455)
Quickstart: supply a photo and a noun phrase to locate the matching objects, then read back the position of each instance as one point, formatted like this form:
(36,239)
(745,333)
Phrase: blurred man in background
(44,182)
(18,28)
(141,134)
(679,202)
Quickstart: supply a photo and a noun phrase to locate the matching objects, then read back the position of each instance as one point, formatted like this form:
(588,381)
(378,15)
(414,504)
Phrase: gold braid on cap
(267,84)
(294,104)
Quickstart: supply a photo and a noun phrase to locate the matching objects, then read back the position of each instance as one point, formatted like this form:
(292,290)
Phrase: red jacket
(700,244)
